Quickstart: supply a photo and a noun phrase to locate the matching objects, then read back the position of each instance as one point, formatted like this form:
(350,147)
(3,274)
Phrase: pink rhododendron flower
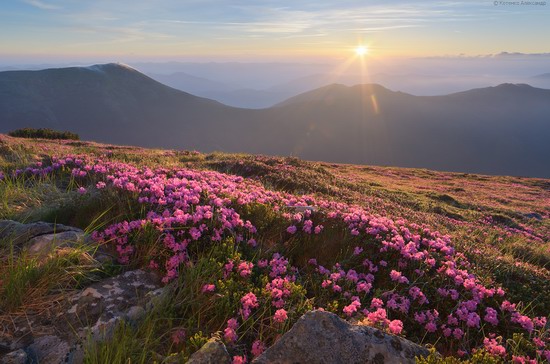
(493,347)
(258,348)
(395,327)
(239,359)
(208,288)
(280,315)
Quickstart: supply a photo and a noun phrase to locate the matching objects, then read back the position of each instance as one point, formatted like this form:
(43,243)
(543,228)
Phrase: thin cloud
(41,5)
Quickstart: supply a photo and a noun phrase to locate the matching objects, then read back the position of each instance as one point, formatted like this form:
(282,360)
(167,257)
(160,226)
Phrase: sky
(220,30)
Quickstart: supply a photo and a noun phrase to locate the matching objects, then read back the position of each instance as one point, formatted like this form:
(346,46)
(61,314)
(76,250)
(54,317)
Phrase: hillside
(495,130)
(177,247)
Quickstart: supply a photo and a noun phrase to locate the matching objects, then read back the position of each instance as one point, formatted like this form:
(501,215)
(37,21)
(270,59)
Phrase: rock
(213,351)
(321,337)
(49,349)
(533,215)
(20,233)
(15,357)
(97,309)
(42,245)
(42,238)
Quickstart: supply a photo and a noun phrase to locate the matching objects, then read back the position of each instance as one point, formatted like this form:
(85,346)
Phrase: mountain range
(493,130)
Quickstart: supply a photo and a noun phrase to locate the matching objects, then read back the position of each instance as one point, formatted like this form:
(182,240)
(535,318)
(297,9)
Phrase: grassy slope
(501,223)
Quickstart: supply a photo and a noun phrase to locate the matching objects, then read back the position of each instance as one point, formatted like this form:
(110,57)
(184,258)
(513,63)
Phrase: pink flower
(352,307)
(248,301)
(208,288)
(376,303)
(491,316)
(378,316)
(258,348)
(280,315)
(473,319)
(230,335)
(245,269)
(292,229)
(458,333)
(363,287)
(81,190)
(431,327)
(395,327)
(318,229)
(493,347)
(227,269)
(233,323)
(398,277)
(238,359)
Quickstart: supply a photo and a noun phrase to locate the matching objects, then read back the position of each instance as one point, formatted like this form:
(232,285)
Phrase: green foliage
(32,133)
(129,344)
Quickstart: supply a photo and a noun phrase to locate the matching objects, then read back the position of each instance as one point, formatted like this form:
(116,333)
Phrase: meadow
(246,244)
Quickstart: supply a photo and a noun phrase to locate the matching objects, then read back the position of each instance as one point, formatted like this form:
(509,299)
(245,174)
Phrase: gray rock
(19,233)
(49,349)
(213,351)
(321,337)
(42,245)
(15,357)
(97,309)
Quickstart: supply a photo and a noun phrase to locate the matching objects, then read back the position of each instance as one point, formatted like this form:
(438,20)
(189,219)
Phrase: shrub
(43,133)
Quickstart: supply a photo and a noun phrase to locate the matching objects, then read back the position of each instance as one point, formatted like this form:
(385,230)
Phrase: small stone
(213,351)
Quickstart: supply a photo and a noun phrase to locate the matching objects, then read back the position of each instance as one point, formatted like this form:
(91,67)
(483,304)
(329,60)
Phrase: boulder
(321,337)
(20,234)
(213,351)
(40,246)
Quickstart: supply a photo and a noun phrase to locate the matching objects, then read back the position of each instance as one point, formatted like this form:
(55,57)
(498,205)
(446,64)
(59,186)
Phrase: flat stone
(42,245)
(321,337)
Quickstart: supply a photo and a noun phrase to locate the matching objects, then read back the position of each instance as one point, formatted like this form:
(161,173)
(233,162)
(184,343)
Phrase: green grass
(32,283)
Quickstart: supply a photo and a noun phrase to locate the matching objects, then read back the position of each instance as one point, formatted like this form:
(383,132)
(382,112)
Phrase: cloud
(41,5)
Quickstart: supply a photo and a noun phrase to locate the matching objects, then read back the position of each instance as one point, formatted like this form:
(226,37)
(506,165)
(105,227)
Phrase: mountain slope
(112,103)
(495,130)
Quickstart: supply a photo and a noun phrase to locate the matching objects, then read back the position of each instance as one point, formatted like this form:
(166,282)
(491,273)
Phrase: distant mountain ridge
(493,130)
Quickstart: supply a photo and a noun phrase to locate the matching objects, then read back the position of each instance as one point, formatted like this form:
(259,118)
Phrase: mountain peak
(105,67)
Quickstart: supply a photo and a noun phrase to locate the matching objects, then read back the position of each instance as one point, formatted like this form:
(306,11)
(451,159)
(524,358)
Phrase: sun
(361,50)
